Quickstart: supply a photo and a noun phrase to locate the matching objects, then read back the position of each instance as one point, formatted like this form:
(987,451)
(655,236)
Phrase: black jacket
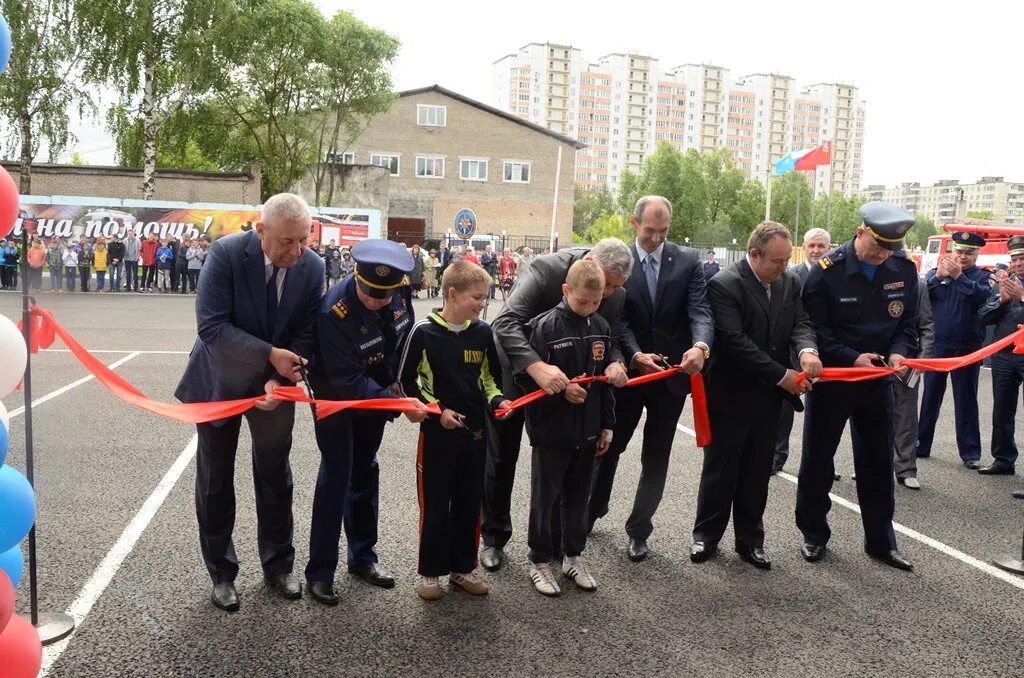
(115,250)
(577,346)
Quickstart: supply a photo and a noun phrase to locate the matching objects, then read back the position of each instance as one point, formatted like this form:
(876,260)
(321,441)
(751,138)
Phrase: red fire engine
(994,252)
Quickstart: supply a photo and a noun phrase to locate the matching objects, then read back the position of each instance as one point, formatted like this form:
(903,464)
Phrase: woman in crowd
(195,256)
(348,265)
(99,262)
(506,272)
(416,274)
(55,264)
(36,259)
(431,272)
(84,264)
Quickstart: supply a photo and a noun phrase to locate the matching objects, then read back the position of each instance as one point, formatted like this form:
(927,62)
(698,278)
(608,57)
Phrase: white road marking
(1011,579)
(64,389)
(111,563)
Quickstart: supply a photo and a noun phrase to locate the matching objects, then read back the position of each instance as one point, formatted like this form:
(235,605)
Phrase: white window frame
(484,161)
(423,112)
(529,171)
(386,154)
(431,159)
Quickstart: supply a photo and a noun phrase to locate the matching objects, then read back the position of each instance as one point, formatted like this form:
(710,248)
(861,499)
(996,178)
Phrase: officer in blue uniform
(957,289)
(360,326)
(863,301)
(1005,310)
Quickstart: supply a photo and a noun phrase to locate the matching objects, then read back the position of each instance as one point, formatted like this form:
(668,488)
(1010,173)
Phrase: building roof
(117,169)
(493,111)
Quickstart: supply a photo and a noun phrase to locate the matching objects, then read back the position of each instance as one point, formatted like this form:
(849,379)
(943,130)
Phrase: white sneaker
(912,483)
(470,583)
(429,588)
(574,568)
(544,580)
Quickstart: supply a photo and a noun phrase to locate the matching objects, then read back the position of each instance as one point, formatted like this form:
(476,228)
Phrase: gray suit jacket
(229,358)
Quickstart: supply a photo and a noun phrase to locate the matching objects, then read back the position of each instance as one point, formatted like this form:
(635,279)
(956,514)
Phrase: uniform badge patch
(340,310)
(894,285)
(382,271)
(825,262)
(597,348)
(363,330)
(896,309)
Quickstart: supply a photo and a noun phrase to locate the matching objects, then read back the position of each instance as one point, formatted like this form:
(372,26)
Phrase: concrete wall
(126,183)
(360,186)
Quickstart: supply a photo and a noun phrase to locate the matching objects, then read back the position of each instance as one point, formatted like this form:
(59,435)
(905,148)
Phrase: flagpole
(768,195)
(831,180)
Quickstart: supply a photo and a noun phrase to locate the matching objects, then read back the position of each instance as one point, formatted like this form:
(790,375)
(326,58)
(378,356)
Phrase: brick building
(446,152)
(126,183)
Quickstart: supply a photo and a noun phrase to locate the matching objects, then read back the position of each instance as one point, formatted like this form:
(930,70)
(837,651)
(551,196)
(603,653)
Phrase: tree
(923,228)
(588,205)
(785,190)
(748,209)
(723,181)
(982,215)
(40,85)
(77,159)
(606,225)
(844,214)
(159,55)
(355,86)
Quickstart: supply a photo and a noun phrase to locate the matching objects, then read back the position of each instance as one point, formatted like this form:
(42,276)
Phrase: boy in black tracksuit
(450,359)
(566,430)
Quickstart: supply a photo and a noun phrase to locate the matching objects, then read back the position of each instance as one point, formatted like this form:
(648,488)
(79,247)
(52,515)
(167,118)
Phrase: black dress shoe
(701,551)
(973,465)
(996,469)
(322,592)
(812,553)
(1019,494)
(637,549)
(374,574)
(285,584)
(756,556)
(894,559)
(225,597)
(491,557)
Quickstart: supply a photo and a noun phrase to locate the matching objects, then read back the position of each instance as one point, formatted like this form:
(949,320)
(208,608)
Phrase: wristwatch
(704,347)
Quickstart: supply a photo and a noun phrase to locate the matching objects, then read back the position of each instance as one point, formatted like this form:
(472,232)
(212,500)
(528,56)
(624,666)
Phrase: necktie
(651,276)
(768,290)
(272,300)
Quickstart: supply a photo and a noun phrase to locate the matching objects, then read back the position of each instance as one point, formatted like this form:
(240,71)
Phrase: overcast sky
(942,83)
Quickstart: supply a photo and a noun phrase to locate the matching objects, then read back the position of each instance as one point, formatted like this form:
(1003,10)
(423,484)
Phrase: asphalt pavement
(108,474)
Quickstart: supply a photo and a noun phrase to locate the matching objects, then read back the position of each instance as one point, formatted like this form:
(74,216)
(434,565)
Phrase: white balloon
(5,419)
(12,356)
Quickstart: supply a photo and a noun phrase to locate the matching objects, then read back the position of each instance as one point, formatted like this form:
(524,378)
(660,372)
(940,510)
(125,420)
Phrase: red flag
(822,155)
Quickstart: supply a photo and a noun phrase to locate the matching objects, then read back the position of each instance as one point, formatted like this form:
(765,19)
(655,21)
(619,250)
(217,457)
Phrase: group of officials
(263,321)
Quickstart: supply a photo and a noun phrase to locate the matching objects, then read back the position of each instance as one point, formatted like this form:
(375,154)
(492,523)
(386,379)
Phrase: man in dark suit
(667,321)
(760,323)
(255,310)
(538,290)
(817,241)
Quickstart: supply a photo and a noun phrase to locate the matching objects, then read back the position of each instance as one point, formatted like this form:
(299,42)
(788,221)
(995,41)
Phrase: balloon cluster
(20,650)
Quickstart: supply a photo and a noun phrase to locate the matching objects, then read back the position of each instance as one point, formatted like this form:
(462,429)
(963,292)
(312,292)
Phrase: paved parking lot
(109,475)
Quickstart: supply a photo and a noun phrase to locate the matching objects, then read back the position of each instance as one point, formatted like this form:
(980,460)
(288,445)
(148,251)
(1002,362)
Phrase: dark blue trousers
(1007,377)
(965,405)
(866,405)
(347,491)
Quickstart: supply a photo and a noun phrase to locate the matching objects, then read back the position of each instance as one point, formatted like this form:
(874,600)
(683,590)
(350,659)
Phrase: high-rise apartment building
(948,199)
(623,105)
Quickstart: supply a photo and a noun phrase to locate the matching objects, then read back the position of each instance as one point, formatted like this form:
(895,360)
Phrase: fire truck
(994,252)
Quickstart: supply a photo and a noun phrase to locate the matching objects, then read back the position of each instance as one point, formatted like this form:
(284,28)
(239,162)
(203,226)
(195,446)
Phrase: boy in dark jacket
(450,359)
(568,429)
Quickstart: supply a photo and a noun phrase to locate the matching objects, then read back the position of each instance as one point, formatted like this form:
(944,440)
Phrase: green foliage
(844,214)
(588,205)
(41,83)
(606,225)
(77,159)
(983,215)
(785,190)
(922,229)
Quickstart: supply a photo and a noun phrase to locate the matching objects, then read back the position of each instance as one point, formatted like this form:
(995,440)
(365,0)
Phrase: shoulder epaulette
(825,262)
(340,310)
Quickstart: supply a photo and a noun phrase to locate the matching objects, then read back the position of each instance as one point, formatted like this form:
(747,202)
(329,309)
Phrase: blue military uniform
(856,308)
(356,358)
(1007,372)
(958,331)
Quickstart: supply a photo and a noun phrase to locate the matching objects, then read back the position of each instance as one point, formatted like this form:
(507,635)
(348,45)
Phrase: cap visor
(894,246)
(373,292)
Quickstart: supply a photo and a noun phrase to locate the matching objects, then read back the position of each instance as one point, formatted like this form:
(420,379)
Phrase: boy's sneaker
(574,568)
(470,583)
(544,580)
(429,588)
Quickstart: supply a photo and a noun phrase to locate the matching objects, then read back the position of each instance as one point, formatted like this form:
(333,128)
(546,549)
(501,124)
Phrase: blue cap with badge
(969,242)
(886,223)
(381,267)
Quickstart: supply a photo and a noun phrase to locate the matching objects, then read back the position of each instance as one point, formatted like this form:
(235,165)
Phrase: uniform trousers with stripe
(450,487)
(559,484)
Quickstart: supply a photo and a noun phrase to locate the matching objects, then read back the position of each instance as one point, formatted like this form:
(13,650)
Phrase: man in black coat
(537,291)
(759,321)
(667,322)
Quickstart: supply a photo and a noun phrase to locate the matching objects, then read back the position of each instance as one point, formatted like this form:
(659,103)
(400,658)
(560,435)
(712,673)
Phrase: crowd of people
(115,264)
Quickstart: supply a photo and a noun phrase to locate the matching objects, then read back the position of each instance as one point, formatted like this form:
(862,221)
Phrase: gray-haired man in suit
(255,310)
